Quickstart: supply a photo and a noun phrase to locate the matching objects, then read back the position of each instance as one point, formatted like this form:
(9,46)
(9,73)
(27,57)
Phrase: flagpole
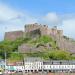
(5,62)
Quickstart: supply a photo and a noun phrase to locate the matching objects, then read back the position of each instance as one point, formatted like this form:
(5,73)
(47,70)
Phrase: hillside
(37,40)
(44,46)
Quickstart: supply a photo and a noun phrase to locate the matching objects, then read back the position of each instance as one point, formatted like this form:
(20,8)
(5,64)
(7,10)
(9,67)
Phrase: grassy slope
(12,46)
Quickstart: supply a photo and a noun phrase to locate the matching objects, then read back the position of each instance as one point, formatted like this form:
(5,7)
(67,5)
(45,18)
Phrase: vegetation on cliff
(11,49)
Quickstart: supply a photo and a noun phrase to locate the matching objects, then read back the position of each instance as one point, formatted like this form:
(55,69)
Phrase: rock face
(66,44)
(26,48)
(13,35)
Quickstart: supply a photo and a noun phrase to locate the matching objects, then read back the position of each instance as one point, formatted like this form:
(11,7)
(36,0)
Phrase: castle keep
(33,30)
(42,30)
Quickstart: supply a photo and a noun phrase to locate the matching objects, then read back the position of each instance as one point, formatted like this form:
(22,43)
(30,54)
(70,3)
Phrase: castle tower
(36,29)
(44,30)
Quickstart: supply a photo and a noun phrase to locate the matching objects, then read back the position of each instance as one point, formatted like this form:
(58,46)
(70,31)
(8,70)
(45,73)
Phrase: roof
(63,62)
(32,59)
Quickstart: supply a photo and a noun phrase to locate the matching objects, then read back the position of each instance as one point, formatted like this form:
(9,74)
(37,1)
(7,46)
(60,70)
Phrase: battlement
(35,25)
(31,27)
(44,30)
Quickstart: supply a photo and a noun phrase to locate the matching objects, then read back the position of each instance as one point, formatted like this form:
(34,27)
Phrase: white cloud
(68,27)
(11,19)
(7,13)
(51,18)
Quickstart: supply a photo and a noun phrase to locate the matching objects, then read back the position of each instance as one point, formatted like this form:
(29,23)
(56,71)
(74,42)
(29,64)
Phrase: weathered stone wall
(43,29)
(34,34)
(33,30)
(31,27)
(13,35)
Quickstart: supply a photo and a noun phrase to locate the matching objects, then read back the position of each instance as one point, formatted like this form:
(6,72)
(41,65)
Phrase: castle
(33,30)
(37,30)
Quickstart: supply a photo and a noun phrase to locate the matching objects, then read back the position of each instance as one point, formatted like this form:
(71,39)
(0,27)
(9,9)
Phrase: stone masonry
(32,30)
(43,29)
(13,35)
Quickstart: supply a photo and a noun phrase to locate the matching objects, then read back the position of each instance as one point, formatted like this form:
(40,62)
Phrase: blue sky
(43,6)
(14,14)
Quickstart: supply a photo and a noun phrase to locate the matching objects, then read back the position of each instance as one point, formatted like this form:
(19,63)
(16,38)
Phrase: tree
(59,55)
(14,56)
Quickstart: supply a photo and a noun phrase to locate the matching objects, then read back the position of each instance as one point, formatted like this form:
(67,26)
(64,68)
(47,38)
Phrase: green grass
(54,53)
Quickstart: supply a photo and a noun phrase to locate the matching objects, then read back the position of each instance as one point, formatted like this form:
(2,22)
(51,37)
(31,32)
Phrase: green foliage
(52,55)
(45,39)
(12,46)
(18,42)
(59,55)
(16,57)
(5,46)
(36,54)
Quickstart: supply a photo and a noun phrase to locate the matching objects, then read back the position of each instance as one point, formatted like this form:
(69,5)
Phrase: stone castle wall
(33,30)
(43,29)
(31,27)
(13,35)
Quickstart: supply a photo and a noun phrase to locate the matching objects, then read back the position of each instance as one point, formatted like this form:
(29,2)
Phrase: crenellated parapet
(44,30)
(31,27)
